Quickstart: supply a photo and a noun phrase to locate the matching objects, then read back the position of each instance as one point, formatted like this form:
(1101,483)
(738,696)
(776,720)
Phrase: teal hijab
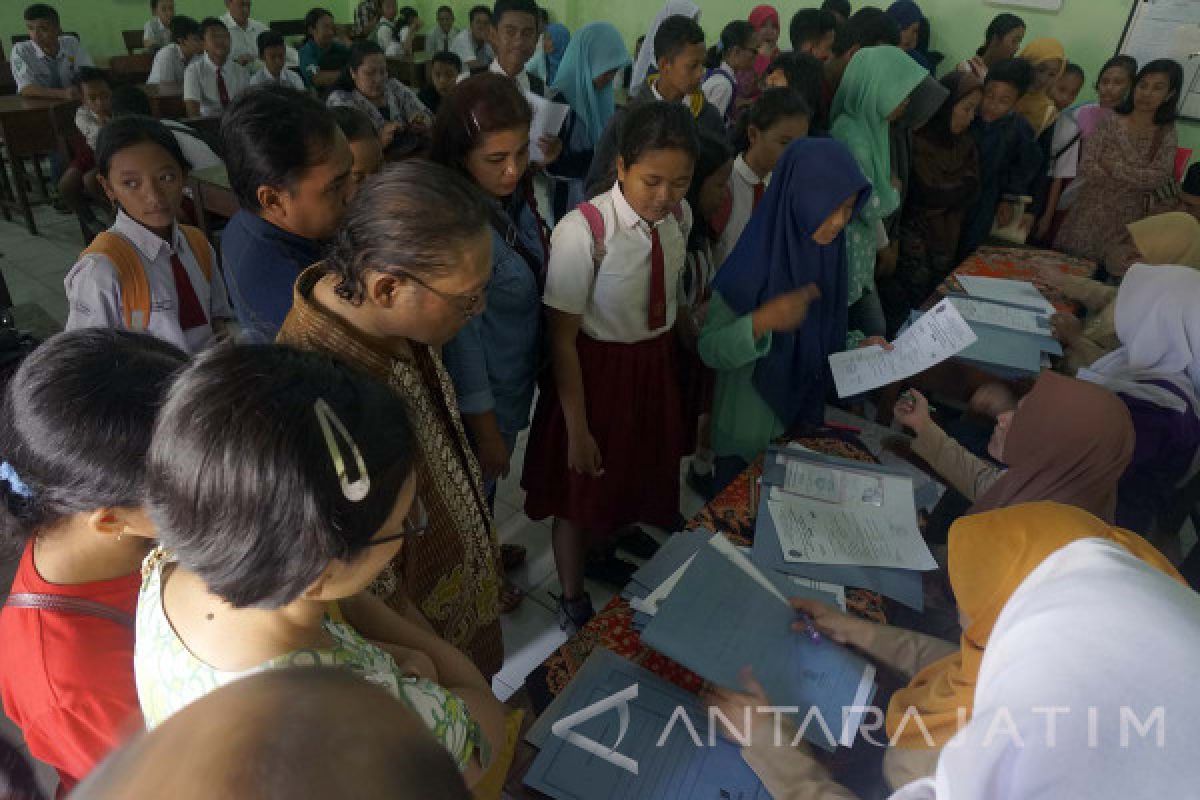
(877,80)
(595,49)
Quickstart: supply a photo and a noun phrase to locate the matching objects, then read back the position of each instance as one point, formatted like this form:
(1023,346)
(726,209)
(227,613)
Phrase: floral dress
(169,677)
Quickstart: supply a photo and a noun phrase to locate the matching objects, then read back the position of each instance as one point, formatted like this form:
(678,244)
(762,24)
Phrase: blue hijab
(595,49)
(776,254)
(559,37)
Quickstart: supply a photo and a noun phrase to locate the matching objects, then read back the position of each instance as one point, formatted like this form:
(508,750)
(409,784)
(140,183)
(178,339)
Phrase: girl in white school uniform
(147,273)
(733,53)
(609,432)
(778,117)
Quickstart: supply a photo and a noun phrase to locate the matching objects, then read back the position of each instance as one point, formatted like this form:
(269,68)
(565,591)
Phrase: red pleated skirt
(635,414)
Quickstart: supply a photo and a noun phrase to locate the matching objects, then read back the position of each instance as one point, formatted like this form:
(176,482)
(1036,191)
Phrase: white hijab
(1158,322)
(647,57)
(1093,627)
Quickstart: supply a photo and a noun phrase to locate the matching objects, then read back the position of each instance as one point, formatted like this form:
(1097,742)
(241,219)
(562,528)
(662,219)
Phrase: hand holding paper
(548,119)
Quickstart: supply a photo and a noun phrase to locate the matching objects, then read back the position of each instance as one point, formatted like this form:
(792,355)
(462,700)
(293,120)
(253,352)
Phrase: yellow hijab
(1171,238)
(991,554)
(1036,106)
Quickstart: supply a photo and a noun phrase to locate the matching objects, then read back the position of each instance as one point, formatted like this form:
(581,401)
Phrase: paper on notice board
(939,334)
(548,119)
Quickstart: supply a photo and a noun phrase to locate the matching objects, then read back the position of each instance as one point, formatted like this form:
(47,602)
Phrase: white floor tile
(531,634)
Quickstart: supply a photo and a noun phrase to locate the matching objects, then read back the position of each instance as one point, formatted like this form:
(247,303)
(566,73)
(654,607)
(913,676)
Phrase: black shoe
(637,542)
(610,569)
(574,614)
(700,484)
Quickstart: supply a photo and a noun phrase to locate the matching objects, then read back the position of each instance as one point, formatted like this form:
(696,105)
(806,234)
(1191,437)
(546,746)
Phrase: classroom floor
(34,268)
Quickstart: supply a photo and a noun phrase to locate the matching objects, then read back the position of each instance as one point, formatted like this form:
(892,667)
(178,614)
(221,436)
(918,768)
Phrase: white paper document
(548,119)
(939,334)
(999,315)
(1017,293)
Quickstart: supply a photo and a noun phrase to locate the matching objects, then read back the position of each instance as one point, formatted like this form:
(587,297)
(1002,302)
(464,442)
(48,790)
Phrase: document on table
(1001,315)
(548,119)
(939,334)
(1002,290)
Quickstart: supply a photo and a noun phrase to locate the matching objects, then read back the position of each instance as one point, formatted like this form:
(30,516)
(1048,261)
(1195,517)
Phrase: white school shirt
(89,125)
(243,41)
(464,46)
(169,65)
(718,89)
(31,65)
(94,292)
(154,31)
(614,300)
(438,41)
(741,194)
(1065,130)
(200,84)
(287,77)
(522,77)
(385,34)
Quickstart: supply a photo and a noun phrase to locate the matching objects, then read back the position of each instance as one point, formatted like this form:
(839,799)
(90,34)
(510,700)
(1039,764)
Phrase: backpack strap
(732,85)
(131,276)
(64,604)
(595,222)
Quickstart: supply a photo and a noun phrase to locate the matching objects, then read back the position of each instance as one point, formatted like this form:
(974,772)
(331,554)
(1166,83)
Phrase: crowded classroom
(594,400)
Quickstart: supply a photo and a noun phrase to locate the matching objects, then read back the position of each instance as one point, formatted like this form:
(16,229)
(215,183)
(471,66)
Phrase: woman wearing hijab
(778,307)
(1068,441)
(765,20)
(1048,59)
(908,17)
(556,41)
(1171,238)
(873,93)
(1054,603)
(647,59)
(944,181)
(1155,373)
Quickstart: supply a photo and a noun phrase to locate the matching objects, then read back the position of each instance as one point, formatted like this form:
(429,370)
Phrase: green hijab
(877,80)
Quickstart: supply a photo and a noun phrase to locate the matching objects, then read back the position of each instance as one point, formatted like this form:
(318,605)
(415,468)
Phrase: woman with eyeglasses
(281,484)
(407,271)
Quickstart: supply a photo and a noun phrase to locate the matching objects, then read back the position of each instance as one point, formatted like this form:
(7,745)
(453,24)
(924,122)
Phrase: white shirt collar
(654,89)
(146,241)
(230,22)
(43,54)
(522,78)
(744,172)
(213,64)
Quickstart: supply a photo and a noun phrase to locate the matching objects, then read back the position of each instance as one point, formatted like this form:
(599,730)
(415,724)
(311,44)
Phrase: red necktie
(657,316)
(222,90)
(191,313)
(759,188)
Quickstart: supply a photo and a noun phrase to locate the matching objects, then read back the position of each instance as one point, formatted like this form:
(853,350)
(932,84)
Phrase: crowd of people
(286,454)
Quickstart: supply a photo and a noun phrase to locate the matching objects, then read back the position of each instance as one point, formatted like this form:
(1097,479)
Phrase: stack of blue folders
(676,550)
(903,585)
(1004,352)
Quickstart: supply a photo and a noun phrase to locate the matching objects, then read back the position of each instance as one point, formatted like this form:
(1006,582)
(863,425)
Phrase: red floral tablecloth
(1021,263)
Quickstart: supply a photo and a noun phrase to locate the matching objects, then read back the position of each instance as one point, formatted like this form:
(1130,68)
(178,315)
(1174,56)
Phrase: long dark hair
(772,106)
(1127,63)
(1000,26)
(126,132)
(1168,112)
(736,34)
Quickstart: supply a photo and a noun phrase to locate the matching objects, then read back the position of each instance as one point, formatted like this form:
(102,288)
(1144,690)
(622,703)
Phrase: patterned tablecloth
(732,513)
(1019,263)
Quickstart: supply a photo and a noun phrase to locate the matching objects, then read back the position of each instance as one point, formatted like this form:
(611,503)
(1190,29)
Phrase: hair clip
(354,491)
(18,486)
(472,124)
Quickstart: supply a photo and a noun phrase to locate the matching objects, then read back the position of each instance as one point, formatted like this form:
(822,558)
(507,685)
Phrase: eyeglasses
(468,304)
(416,524)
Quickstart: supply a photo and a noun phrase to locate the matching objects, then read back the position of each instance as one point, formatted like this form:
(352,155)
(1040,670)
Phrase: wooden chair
(133,41)
(133,68)
(23,128)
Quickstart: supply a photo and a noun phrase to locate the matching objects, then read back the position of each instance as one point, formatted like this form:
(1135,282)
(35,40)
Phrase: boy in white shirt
(385,29)
(272,51)
(471,45)
(172,61)
(156,32)
(441,38)
(243,33)
(211,82)
(46,65)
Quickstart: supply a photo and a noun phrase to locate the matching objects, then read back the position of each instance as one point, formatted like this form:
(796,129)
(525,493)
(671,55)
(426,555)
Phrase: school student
(410,26)
(211,82)
(78,183)
(607,436)
(513,36)
(679,46)
(198,149)
(72,507)
(777,118)
(156,32)
(444,69)
(1001,41)
(384,32)
(290,168)
(322,56)
(364,142)
(472,44)
(867,27)
(243,34)
(1061,143)
(365,85)
(805,75)
(734,53)
(242,583)
(812,31)
(148,272)
(45,65)
(272,52)
(171,61)
(839,8)
(1048,60)
(442,37)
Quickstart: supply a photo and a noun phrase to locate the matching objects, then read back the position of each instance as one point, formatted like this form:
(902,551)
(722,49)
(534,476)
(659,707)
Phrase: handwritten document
(548,119)
(939,334)
(1000,315)
(1002,290)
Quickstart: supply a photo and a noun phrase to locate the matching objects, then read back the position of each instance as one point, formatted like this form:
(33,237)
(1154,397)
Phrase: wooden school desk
(166,100)
(30,129)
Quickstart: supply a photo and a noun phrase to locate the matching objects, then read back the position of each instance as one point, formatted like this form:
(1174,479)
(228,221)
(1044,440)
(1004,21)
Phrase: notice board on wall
(1168,29)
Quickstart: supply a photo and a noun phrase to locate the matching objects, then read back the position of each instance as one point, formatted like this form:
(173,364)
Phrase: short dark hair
(837,7)
(771,106)
(355,124)
(41,11)
(482,104)
(128,131)
(674,35)
(130,101)
(406,14)
(270,135)
(1073,69)
(805,74)
(810,25)
(444,8)
(76,425)
(1014,71)
(241,430)
(210,23)
(90,75)
(359,51)
(268,39)
(477,10)
(656,126)
(183,27)
(1127,63)
(736,34)
(503,7)
(1168,112)
(412,216)
(867,27)
(1000,26)
(311,19)
(447,57)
